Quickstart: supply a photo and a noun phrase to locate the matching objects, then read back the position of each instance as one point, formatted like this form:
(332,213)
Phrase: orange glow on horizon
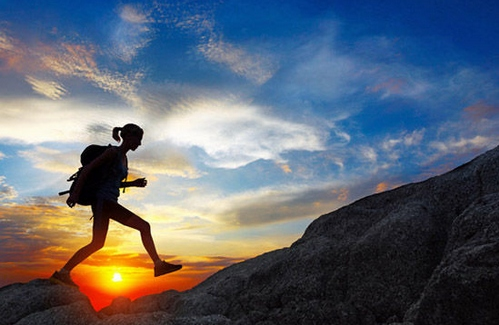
(101,284)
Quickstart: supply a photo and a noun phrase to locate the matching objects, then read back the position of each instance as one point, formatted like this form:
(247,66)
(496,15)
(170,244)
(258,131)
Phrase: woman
(106,205)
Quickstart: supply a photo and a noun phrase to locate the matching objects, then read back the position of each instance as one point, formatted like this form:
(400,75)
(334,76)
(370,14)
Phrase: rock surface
(424,253)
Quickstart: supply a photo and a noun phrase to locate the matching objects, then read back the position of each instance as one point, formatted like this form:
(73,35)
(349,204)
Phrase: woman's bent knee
(95,245)
(145,227)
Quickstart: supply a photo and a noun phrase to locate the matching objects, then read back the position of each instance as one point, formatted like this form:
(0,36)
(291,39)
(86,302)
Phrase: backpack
(94,179)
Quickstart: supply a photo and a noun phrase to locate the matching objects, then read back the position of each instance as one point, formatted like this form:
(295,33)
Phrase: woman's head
(127,132)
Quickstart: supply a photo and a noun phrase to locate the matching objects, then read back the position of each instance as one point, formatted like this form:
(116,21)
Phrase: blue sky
(258,116)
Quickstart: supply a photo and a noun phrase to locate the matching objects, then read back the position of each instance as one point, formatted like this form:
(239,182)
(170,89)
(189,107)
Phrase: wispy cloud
(255,67)
(6,42)
(277,205)
(480,111)
(155,159)
(160,158)
(458,146)
(65,60)
(235,135)
(74,60)
(7,192)
(34,228)
(50,89)
(198,20)
(51,160)
(34,121)
(132,32)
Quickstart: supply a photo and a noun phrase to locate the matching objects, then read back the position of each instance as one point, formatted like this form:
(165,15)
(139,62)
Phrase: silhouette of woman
(106,205)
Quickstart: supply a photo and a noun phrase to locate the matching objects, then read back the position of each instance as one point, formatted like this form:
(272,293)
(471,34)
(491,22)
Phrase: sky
(259,116)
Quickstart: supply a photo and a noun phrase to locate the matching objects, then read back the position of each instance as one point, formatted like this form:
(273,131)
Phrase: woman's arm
(140,182)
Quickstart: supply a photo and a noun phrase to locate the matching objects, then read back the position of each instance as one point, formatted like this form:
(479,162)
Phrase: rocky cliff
(424,253)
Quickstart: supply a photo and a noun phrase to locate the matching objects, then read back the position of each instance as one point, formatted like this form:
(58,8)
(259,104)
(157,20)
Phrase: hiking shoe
(164,268)
(63,278)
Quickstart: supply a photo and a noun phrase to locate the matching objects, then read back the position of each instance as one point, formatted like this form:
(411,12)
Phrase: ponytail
(128,129)
(116,133)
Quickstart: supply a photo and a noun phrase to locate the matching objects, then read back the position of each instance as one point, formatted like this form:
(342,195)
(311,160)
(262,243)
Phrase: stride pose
(112,165)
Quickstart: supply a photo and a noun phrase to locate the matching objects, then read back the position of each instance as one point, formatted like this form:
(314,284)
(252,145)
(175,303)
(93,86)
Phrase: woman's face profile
(134,141)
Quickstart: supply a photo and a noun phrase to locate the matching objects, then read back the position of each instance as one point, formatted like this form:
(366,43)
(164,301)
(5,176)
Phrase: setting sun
(117,277)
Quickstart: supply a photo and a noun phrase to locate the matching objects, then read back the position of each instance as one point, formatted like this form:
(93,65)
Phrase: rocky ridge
(424,253)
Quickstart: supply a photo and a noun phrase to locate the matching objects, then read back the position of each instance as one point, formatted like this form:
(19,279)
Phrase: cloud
(466,135)
(12,53)
(34,121)
(368,154)
(481,110)
(160,158)
(65,60)
(133,14)
(6,42)
(52,160)
(457,146)
(252,62)
(50,89)
(75,60)
(320,72)
(153,159)
(399,86)
(267,205)
(7,192)
(236,135)
(285,168)
(132,32)
(255,67)
(278,204)
(396,146)
(34,227)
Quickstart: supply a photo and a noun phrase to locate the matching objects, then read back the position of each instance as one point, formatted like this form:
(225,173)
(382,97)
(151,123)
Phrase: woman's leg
(99,233)
(126,217)
(130,219)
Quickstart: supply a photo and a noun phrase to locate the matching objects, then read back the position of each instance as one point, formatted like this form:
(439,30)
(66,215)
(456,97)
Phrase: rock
(464,289)
(367,263)
(41,302)
(425,253)
(120,305)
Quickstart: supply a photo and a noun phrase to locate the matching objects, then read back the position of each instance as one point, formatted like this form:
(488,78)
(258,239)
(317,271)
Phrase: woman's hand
(71,201)
(140,182)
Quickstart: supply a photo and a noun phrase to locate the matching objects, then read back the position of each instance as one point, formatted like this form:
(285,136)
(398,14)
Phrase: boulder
(41,302)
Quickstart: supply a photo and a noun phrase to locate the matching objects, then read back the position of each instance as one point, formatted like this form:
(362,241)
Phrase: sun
(117,277)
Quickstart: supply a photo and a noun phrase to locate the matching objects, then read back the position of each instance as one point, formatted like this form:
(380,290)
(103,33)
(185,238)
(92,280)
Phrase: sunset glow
(258,117)
(117,277)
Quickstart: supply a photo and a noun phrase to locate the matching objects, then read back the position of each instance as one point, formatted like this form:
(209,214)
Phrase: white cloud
(34,121)
(132,33)
(6,42)
(134,15)
(369,154)
(248,61)
(7,192)
(50,89)
(396,146)
(460,145)
(52,160)
(257,68)
(235,135)
(160,158)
